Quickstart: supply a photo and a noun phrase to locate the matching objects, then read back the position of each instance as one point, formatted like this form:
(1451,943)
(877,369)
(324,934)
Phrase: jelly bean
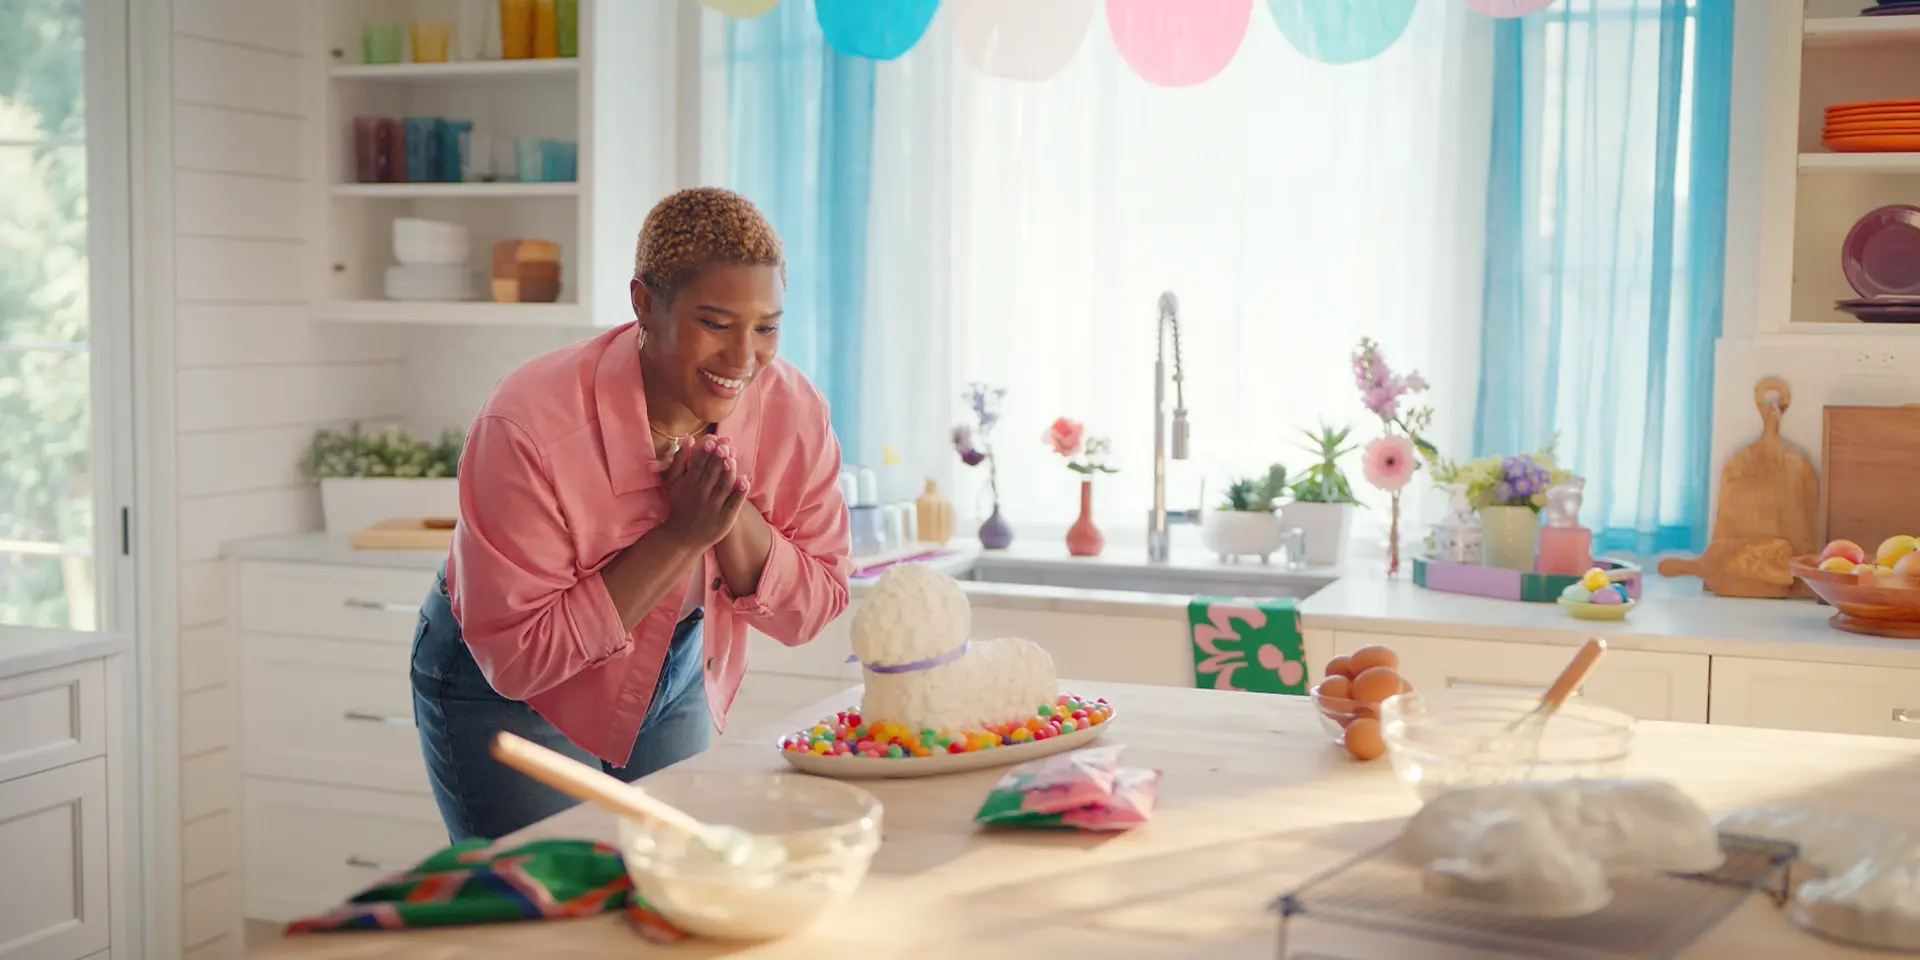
(820,746)
(842,747)
(1045,710)
(956,747)
(817,731)
(895,751)
(1068,727)
(922,752)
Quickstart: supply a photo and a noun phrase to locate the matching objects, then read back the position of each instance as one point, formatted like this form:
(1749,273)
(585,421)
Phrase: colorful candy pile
(847,734)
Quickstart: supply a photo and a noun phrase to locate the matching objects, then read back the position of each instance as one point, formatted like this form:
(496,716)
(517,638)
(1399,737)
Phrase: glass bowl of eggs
(1460,738)
(1597,597)
(808,844)
(1349,698)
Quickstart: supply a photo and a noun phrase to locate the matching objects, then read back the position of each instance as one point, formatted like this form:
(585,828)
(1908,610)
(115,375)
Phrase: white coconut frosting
(1547,849)
(924,670)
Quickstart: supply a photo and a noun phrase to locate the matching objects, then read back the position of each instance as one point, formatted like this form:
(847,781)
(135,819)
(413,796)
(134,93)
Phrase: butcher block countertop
(1255,800)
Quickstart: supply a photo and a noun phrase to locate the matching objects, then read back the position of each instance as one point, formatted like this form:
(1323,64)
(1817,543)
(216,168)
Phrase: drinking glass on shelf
(532,159)
(546,35)
(1293,548)
(516,29)
(380,41)
(430,40)
(369,150)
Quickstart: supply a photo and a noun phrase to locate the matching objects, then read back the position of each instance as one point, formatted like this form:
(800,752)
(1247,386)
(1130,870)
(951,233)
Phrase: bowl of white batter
(809,843)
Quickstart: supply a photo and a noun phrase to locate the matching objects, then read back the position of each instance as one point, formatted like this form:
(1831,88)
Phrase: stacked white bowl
(433,261)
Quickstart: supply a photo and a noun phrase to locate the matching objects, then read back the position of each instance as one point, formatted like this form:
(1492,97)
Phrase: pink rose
(1389,462)
(1065,436)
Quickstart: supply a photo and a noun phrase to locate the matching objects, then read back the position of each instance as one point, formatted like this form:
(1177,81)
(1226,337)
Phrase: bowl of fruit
(1596,597)
(1878,595)
(1349,698)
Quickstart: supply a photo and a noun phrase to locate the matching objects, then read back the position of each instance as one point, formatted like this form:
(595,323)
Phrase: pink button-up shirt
(555,480)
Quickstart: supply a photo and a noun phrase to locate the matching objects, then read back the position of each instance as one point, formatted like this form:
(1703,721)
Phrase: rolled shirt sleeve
(804,584)
(531,620)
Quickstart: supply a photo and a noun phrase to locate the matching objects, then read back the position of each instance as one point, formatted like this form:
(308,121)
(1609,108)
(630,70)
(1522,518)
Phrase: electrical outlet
(1876,360)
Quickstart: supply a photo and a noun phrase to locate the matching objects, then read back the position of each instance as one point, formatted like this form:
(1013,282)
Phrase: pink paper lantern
(1019,39)
(1508,8)
(1178,43)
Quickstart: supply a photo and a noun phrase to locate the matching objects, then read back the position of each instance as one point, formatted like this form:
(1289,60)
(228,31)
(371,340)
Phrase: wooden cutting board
(415,533)
(1768,512)
(1871,456)
(1739,568)
(1769,488)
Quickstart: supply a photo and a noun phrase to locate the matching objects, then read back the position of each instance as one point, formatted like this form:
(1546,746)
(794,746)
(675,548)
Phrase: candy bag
(1055,784)
(1083,791)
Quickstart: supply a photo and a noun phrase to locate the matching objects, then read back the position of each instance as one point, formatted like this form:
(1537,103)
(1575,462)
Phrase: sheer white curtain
(1022,233)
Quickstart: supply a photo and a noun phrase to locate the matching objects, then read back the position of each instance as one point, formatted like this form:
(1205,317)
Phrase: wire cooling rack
(1650,917)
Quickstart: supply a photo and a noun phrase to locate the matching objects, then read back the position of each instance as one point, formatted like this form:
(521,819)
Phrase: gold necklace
(674,450)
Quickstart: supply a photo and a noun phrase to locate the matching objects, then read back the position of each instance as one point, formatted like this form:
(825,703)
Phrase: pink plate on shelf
(1881,256)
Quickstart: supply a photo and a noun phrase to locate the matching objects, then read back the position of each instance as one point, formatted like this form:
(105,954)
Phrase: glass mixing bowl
(1459,738)
(826,833)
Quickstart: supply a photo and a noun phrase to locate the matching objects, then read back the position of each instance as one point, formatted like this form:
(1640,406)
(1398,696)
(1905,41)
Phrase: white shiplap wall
(253,380)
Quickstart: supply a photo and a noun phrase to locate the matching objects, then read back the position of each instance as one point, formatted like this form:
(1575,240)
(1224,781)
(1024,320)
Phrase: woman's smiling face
(712,336)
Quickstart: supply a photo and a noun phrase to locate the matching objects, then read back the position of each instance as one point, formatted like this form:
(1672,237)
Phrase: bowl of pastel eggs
(1596,598)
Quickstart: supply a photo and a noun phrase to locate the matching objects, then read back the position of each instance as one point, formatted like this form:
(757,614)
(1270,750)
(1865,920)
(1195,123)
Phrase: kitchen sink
(1182,579)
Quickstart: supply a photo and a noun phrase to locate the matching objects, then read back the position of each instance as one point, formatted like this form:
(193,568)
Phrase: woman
(629,506)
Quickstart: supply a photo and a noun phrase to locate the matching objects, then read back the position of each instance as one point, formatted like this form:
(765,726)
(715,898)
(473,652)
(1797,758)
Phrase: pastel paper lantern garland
(875,29)
(1341,31)
(1019,39)
(1178,43)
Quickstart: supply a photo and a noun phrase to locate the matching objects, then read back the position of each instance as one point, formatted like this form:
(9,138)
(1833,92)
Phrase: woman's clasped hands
(704,492)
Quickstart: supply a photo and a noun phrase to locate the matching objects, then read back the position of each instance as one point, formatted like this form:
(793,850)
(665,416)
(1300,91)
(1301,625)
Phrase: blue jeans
(458,713)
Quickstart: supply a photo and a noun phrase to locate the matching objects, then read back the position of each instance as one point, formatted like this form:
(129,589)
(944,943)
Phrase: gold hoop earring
(641,340)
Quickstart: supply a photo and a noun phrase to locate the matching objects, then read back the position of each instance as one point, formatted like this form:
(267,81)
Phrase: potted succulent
(388,474)
(1245,523)
(1323,501)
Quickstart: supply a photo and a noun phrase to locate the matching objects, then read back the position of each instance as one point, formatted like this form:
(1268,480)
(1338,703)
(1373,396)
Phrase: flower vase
(1508,535)
(996,533)
(1083,538)
(1393,538)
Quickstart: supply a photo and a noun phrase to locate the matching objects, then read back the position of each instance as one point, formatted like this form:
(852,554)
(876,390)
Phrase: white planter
(1233,533)
(355,503)
(1326,527)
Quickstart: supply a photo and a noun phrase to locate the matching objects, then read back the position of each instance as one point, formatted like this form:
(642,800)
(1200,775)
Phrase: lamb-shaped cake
(912,633)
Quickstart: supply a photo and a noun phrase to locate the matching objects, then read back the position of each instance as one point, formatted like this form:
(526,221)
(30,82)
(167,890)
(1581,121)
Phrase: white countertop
(1673,615)
(24,650)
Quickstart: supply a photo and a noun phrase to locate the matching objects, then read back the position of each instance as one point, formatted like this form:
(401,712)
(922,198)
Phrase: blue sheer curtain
(799,145)
(1606,213)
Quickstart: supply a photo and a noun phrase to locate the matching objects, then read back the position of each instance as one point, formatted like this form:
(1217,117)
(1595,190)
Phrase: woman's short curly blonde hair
(698,228)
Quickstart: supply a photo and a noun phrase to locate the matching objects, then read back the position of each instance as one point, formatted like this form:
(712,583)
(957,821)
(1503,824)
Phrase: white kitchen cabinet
(1644,684)
(330,711)
(52,717)
(53,844)
(1824,697)
(310,847)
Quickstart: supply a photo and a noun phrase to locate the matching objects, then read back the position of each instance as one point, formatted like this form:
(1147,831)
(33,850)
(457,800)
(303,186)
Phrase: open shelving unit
(1827,55)
(593,218)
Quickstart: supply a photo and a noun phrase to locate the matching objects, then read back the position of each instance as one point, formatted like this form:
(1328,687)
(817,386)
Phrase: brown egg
(1373,655)
(1340,667)
(1375,685)
(1363,739)
(1335,687)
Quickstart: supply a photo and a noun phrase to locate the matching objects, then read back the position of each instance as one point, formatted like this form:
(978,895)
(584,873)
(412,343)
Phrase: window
(62,312)
(1293,207)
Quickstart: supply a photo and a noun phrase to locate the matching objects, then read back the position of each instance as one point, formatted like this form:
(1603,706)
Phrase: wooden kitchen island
(1255,800)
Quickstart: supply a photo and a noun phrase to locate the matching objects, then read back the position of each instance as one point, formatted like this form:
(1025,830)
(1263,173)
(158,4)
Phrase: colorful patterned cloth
(1247,644)
(470,882)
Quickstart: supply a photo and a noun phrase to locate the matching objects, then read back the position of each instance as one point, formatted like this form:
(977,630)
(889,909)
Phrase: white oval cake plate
(848,767)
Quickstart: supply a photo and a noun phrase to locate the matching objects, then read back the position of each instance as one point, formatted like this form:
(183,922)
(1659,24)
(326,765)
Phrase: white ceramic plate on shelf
(848,767)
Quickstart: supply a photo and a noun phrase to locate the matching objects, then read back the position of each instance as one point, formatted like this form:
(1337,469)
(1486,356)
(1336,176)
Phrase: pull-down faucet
(1160,517)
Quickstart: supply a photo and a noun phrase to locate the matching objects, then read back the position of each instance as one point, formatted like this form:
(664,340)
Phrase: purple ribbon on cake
(917,665)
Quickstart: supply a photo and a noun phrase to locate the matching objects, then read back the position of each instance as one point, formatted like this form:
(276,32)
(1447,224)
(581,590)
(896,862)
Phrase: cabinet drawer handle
(362,863)
(380,606)
(1458,683)
(1903,715)
(387,718)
